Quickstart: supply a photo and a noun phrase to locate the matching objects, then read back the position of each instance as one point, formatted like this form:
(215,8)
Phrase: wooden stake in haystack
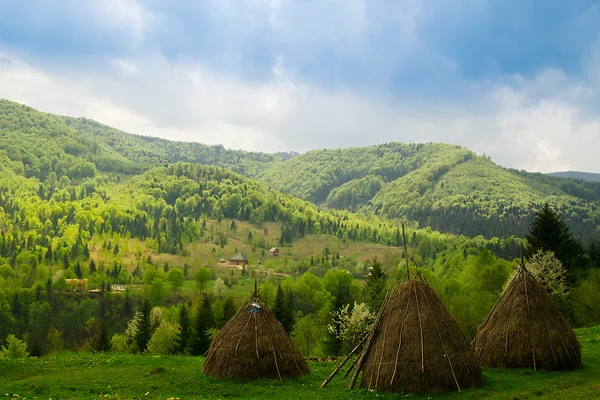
(415,345)
(254,345)
(525,329)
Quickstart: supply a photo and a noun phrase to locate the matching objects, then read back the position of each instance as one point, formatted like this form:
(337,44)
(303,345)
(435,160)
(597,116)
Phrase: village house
(238,259)
(274,252)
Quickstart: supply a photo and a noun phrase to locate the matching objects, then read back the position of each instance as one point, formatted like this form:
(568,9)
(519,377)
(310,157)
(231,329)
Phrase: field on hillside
(207,254)
(117,376)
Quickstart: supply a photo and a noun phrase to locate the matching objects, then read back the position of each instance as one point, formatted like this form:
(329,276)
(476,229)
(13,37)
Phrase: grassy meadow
(206,253)
(117,376)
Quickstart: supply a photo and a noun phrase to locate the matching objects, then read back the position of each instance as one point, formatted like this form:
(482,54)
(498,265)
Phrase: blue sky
(517,80)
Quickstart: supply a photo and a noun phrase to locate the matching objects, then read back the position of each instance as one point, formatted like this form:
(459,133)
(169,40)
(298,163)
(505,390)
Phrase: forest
(150,224)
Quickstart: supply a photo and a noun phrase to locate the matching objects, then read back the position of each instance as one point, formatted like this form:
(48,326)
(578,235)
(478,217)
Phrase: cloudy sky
(518,80)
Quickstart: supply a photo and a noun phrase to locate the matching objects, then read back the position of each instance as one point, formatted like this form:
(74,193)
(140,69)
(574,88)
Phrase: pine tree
(282,310)
(549,232)
(92,266)
(229,309)
(200,341)
(185,329)
(77,270)
(144,332)
(374,290)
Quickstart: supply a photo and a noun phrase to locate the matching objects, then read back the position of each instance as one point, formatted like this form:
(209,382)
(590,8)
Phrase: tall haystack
(525,329)
(253,345)
(416,346)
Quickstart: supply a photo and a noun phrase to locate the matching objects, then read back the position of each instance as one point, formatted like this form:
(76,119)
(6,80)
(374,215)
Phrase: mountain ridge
(447,187)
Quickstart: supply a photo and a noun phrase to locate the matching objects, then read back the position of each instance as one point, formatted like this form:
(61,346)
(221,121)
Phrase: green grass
(117,376)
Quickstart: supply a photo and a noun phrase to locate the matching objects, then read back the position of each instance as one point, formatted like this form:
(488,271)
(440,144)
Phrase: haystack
(525,329)
(253,345)
(416,346)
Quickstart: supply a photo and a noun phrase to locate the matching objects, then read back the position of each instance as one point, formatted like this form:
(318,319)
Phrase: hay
(416,346)
(253,345)
(525,329)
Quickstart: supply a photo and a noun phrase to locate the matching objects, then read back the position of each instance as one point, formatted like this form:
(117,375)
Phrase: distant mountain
(586,176)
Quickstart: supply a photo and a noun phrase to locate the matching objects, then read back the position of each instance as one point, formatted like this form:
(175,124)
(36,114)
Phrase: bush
(164,340)
(14,348)
(121,343)
(586,300)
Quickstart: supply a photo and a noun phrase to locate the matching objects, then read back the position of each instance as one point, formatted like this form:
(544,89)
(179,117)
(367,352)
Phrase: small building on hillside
(274,252)
(238,259)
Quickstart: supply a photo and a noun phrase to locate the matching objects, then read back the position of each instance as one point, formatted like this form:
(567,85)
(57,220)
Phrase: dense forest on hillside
(79,200)
(446,187)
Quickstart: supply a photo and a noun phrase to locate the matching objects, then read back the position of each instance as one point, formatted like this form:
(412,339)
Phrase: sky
(517,80)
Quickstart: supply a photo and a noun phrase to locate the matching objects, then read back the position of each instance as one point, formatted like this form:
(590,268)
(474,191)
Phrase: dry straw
(416,346)
(254,345)
(525,329)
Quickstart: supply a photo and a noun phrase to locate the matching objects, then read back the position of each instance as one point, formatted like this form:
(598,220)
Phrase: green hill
(446,187)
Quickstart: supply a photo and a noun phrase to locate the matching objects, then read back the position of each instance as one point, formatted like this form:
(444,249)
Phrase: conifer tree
(548,232)
(374,291)
(144,332)
(92,266)
(202,325)
(185,329)
(283,311)
(77,270)
(229,309)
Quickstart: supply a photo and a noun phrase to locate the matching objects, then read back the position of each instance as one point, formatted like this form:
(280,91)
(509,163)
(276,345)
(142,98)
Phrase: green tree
(176,279)
(14,348)
(77,270)
(92,267)
(229,309)
(202,276)
(185,329)
(157,292)
(144,327)
(309,335)
(549,232)
(283,311)
(219,287)
(218,314)
(202,324)
(374,289)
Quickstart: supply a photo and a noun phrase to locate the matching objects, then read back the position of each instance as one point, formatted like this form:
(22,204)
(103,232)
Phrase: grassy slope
(115,376)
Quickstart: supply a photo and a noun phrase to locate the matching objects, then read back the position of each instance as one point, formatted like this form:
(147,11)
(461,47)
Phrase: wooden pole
(405,253)
(330,377)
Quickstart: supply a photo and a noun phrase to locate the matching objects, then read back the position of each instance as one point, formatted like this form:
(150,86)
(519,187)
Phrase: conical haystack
(525,329)
(417,346)
(253,345)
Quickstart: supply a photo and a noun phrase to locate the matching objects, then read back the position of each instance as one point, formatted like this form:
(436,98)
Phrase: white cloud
(127,14)
(533,124)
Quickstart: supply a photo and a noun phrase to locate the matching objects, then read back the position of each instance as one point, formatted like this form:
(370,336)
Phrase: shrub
(14,348)
(164,340)
(121,343)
